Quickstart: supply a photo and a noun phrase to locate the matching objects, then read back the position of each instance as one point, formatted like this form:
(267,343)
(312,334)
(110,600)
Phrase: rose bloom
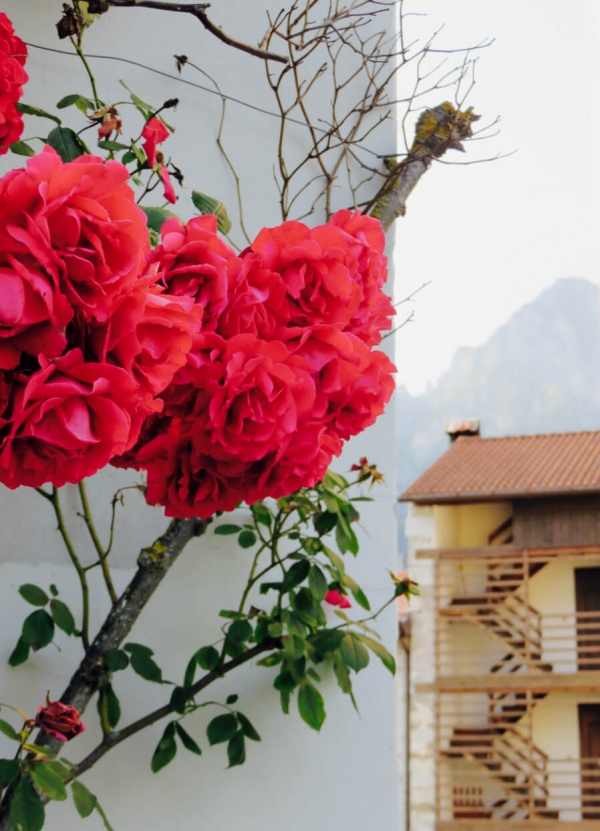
(336,598)
(59,720)
(154,133)
(194,262)
(65,421)
(78,226)
(366,241)
(318,271)
(13,54)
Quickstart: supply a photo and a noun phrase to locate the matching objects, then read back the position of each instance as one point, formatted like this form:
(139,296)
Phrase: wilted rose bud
(59,720)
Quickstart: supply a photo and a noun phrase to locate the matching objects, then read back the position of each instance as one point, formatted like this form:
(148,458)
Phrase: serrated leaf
(85,801)
(116,660)
(353,653)
(156,217)
(247,539)
(262,514)
(221,728)
(236,750)
(166,749)
(9,768)
(226,529)
(248,728)
(378,649)
(80,101)
(33,594)
(9,731)
(27,109)
(207,658)
(26,808)
(61,615)
(67,143)
(21,148)
(310,705)
(186,740)
(317,583)
(48,781)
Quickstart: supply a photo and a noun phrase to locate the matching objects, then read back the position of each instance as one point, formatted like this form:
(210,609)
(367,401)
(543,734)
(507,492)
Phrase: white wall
(347,776)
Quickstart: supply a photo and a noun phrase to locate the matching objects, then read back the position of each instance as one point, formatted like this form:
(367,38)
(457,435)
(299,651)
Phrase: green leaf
(156,217)
(109,703)
(53,590)
(166,749)
(48,781)
(179,699)
(275,630)
(225,530)
(354,654)
(146,667)
(61,615)
(232,699)
(285,681)
(38,629)
(221,728)
(317,583)
(262,514)
(116,659)
(293,646)
(284,695)
(310,705)
(186,740)
(21,148)
(326,640)
(207,658)
(247,539)
(296,575)
(107,144)
(240,631)
(236,750)
(378,649)
(27,109)
(33,594)
(335,559)
(67,143)
(342,674)
(84,800)
(26,808)
(190,672)
(248,728)
(361,598)
(325,522)
(208,205)
(138,647)
(9,768)
(80,101)
(271,660)
(9,731)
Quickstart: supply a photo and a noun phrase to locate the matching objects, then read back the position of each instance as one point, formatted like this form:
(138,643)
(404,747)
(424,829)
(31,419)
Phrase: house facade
(504,656)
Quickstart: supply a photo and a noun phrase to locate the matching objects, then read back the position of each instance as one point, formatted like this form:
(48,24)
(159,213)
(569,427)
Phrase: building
(504,662)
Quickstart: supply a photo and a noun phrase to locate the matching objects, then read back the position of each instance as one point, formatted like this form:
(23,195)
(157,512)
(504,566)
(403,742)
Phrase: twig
(198,11)
(102,554)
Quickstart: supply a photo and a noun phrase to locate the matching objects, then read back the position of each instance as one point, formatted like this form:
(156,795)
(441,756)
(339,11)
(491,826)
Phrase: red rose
(366,241)
(317,269)
(66,421)
(257,300)
(13,54)
(194,262)
(59,720)
(336,598)
(154,133)
(168,189)
(78,225)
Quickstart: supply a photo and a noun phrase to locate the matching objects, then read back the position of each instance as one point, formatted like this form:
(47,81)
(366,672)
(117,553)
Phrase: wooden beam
(584,681)
(503,551)
(515,825)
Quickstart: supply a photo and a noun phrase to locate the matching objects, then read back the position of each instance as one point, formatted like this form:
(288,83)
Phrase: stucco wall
(346,777)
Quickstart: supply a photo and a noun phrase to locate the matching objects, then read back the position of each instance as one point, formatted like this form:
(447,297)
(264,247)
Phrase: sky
(490,237)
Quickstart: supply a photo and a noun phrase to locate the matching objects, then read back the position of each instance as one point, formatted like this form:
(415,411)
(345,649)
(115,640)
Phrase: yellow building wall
(465,526)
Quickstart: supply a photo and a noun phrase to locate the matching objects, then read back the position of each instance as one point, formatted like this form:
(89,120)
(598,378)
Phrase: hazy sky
(491,237)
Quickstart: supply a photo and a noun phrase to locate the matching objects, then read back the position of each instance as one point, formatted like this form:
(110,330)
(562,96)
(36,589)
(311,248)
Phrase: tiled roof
(474,468)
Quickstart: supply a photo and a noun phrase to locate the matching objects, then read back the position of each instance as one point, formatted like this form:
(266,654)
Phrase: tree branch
(118,736)
(198,10)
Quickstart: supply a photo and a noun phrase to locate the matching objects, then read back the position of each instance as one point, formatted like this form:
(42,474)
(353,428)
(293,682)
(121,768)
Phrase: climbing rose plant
(132,338)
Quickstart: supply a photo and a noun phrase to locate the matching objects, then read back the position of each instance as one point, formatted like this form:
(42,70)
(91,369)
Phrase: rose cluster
(13,54)
(282,369)
(88,335)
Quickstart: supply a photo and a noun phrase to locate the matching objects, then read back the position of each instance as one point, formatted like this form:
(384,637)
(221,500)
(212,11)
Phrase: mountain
(539,373)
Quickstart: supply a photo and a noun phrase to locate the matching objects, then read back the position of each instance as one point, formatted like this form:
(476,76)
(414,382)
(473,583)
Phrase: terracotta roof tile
(474,468)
